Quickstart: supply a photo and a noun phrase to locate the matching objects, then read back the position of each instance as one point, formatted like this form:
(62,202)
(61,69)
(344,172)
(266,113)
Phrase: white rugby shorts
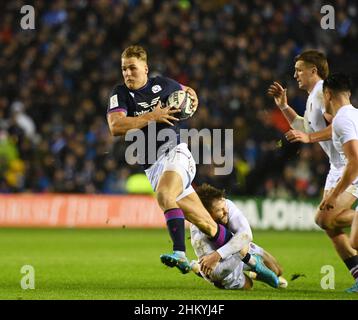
(333,177)
(229,273)
(180,160)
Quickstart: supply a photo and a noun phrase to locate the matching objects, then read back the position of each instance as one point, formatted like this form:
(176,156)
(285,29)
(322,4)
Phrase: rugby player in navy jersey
(134,105)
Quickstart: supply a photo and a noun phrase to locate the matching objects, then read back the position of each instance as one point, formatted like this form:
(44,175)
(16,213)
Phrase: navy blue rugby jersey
(137,102)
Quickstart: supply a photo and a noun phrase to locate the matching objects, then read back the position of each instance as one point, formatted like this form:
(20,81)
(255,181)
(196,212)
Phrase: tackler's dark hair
(208,194)
(338,82)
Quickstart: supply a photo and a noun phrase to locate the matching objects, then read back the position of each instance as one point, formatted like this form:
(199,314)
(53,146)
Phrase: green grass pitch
(124,264)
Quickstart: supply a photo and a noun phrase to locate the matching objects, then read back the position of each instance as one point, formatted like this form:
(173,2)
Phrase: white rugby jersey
(345,128)
(237,224)
(314,121)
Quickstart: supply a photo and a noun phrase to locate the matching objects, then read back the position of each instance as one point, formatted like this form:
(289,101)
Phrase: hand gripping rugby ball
(181,100)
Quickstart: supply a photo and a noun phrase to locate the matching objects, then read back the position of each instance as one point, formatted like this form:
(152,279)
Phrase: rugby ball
(181,101)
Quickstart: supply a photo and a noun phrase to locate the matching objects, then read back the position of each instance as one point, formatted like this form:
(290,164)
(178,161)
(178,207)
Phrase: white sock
(181,254)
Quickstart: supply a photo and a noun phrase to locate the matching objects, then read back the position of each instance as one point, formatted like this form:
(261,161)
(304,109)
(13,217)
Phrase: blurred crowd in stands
(55,84)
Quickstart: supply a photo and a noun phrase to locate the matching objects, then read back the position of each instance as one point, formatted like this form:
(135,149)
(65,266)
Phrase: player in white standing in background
(225,266)
(336,92)
(311,68)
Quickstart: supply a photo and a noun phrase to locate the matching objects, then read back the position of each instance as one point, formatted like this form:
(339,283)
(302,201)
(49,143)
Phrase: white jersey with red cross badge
(314,121)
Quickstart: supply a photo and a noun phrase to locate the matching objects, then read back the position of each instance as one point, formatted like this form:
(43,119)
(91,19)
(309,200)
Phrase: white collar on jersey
(346,106)
(317,86)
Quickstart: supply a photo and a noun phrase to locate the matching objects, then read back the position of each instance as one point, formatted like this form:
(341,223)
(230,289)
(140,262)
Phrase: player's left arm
(241,239)
(350,149)
(240,227)
(312,137)
(193,96)
(300,136)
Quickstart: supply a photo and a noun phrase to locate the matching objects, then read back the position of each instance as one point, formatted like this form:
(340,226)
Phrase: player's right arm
(119,123)
(297,123)
(280,96)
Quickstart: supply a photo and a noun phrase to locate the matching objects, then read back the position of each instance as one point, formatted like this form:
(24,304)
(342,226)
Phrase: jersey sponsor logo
(145,105)
(113,102)
(156,88)
(138,113)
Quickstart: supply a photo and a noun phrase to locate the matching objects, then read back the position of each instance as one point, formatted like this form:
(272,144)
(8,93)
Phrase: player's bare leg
(271,263)
(354,232)
(354,244)
(341,243)
(196,213)
(339,217)
(248,283)
(333,222)
(335,218)
(170,186)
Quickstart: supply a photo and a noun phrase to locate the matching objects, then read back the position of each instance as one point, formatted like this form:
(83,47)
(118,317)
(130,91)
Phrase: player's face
(219,211)
(303,74)
(135,73)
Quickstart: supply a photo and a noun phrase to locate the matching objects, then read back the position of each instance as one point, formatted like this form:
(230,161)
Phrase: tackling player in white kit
(311,68)
(225,266)
(336,91)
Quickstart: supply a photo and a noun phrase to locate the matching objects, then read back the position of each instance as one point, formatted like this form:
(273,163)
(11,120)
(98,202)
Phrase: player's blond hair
(136,52)
(317,59)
